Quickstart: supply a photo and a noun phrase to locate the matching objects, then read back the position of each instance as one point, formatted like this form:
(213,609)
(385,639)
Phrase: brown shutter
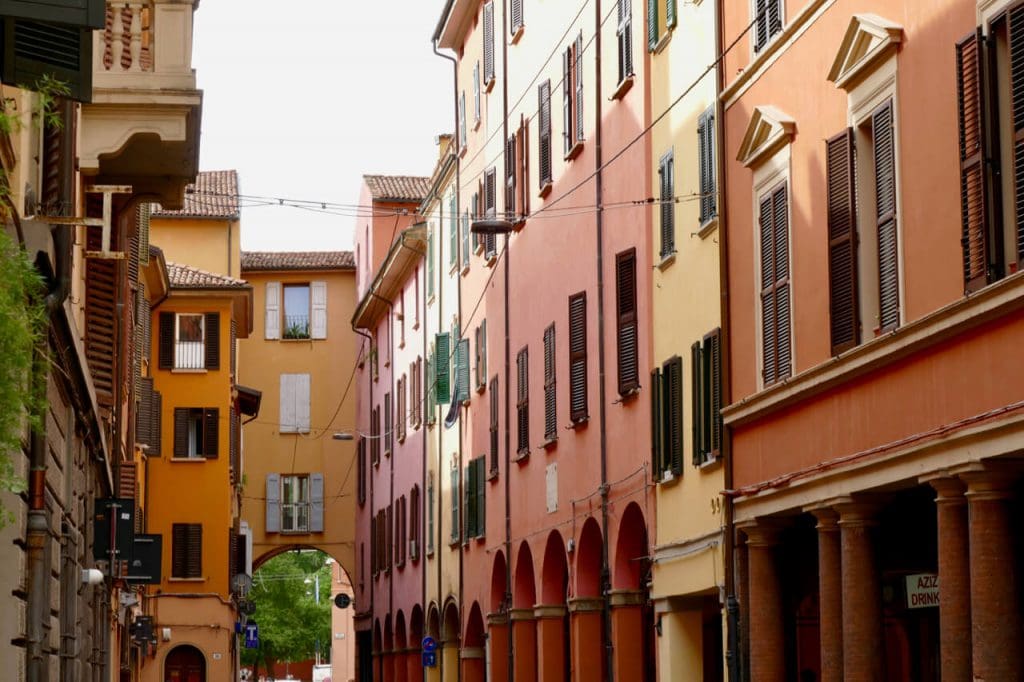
(179,550)
(127,481)
(389,426)
(181,429)
(544,134)
(157,422)
(524,164)
(1015,31)
(144,412)
(769,361)
(780,206)
(165,351)
(550,399)
(233,351)
(494,423)
(625,284)
(713,349)
(523,401)
(510,178)
(100,318)
(212,340)
(697,403)
(974,206)
(361,471)
(578,357)
(885,198)
(842,241)
(234,453)
(674,414)
(775,322)
(195,551)
(211,435)
(657,452)
(567,90)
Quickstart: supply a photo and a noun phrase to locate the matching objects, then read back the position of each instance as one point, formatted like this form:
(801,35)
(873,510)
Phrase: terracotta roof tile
(185,277)
(214,194)
(298,260)
(397,187)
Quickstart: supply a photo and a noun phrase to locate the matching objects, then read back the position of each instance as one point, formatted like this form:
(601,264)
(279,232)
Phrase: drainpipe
(369,475)
(602,410)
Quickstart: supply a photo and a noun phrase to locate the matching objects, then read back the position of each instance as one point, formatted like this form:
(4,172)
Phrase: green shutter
(657,453)
(77,13)
(652,24)
(670,13)
(442,368)
(32,51)
(462,370)
(455,504)
(469,495)
(481,497)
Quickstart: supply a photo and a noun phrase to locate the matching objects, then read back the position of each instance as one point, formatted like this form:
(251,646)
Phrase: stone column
(551,663)
(401,665)
(450,661)
(627,634)
(764,596)
(388,664)
(996,636)
(413,664)
(497,628)
(472,659)
(863,633)
(587,639)
(830,594)
(524,642)
(954,580)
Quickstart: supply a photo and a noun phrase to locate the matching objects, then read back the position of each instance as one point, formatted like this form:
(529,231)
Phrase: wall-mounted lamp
(343,435)
(490,226)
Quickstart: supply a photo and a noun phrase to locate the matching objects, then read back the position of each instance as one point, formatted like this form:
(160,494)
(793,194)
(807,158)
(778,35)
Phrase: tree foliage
(289,619)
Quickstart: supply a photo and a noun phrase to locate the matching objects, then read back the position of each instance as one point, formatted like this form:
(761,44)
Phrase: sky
(303,97)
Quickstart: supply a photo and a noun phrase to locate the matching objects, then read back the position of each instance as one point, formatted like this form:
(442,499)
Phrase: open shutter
(469,502)
(522,402)
(769,361)
(706,163)
(670,14)
(713,351)
(760,23)
(144,414)
(1015,21)
(774,17)
(625,284)
(657,451)
(550,399)
(234,452)
(481,497)
(165,350)
(780,206)
(544,134)
(578,357)
(483,352)
(156,416)
(181,432)
(493,432)
(212,341)
(273,503)
(389,425)
(455,504)
(567,90)
(430,262)
(517,15)
(667,209)
(272,319)
(488,42)
(462,365)
(625,35)
(885,197)
(34,50)
(697,403)
(842,241)
(318,300)
(211,432)
(674,414)
(578,84)
(652,24)
(179,549)
(316,499)
(442,368)
(974,204)
(453,232)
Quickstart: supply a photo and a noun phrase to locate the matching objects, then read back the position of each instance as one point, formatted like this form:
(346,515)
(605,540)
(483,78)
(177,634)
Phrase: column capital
(859,511)
(497,618)
(827,516)
(762,532)
(949,489)
(585,604)
(988,480)
(618,598)
(520,614)
(549,611)
(471,652)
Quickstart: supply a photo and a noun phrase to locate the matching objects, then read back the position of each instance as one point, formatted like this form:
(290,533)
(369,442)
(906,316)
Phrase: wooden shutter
(567,93)
(211,435)
(414,523)
(511,167)
(775,315)
(522,402)
(523,168)
(883,136)
(442,368)
(430,262)
(34,50)
(78,13)
(544,133)
(713,351)
(127,481)
(976,236)
(673,424)
(100,318)
(463,365)
(181,431)
(698,404)
(760,24)
(316,503)
(389,425)
(652,24)
(453,232)
(465,239)
(578,84)
(840,176)
(625,286)
(657,406)
(476,91)
(480,485)
(706,163)
(666,176)
(318,309)
(488,42)
(455,493)
(179,549)
(462,119)
(517,15)
(774,17)
(550,398)
(144,413)
(273,494)
(234,438)
(156,428)
(1015,31)
(670,14)
(361,471)
(469,502)
(165,350)
(288,417)
(493,432)
(625,35)
(195,551)
(272,316)
(578,357)
(212,324)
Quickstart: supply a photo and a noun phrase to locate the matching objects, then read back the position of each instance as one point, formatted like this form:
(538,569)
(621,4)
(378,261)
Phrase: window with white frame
(767,19)
(295,503)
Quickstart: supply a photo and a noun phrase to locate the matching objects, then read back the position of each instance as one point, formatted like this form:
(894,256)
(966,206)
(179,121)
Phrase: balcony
(142,127)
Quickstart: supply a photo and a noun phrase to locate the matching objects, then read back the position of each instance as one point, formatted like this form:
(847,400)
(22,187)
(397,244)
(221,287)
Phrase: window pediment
(868,40)
(768,130)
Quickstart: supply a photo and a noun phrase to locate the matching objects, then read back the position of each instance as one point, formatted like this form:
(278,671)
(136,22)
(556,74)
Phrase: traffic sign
(252,635)
(342,601)
(429,659)
(429,645)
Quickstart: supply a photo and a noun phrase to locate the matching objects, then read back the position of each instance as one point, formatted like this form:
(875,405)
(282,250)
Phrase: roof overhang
(241,302)
(455,21)
(248,400)
(155,275)
(402,260)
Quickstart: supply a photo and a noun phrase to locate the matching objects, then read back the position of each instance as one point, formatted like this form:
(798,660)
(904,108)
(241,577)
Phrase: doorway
(185,664)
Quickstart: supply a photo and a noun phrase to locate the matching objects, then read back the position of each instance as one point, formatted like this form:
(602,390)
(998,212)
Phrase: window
(400,403)
(295,408)
(628,342)
(462,120)
(706,165)
(773,222)
(550,401)
(488,45)
(389,426)
(295,310)
(416,393)
(653,33)
(476,502)
(706,380)
(667,418)
(572,98)
(361,462)
(667,181)
(476,93)
(389,537)
(624,33)
(400,528)
(578,357)
(519,175)
(517,16)
(196,432)
(493,430)
(414,523)
(430,513)
(767,22)
(522,401)
(481,355)
(189,341)
(187,550)
(490,210)
(544,134)
(375,435)
(294,504)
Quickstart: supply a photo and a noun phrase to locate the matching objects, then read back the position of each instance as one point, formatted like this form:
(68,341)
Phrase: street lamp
(490,226)
(343,435)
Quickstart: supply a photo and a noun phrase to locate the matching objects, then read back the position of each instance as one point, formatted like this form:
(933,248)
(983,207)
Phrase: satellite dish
(241,583)
(342,600)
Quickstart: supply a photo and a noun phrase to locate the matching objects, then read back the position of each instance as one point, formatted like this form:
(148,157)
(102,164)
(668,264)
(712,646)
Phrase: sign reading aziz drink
(922,590)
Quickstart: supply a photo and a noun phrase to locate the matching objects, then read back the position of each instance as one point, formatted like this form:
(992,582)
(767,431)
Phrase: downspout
(369,476)
(602,410)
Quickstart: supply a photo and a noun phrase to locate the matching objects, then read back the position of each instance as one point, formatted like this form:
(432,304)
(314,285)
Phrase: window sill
(198,370)
(295,532)
(546,188)
(663,42)
(521,456)
(492,475)
(452,269)
(574,151)
(479,249)
(465,270)
(629,396)
(430,300)
(463,148)
(489,85)
(517,34)
(416,325)
(669,479)
(195,459)
(550,443)
(492,258)
(666,261)
(186,580)
(297,339)
(710,463)
(578,423)
(401,440)
(708,227)
(480,388)
(476,125)
(625,86)
(296,432)
(401,344)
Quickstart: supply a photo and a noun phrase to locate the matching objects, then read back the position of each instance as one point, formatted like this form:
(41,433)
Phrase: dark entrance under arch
(185,664)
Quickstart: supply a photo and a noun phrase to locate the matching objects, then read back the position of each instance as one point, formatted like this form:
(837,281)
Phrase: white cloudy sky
(303,97)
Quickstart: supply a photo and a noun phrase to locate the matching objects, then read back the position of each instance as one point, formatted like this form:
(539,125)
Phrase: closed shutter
(234,438)
(462,362)
(713,351)
(522,402)
(100,319)
(550,399)
(625,285)
(775,314)
(465,239)
(493,431)
(181,431)
(976,236)
(657,451)
(144,414)
(488,42)
(568,138)
(1015,26)
(318,300)
(652,24)
(373,545)
(288,416)
(361,471)
(578,357)
(625,36)
(455,493)
(490,209)
(842,241)
(316,503)
(127,481)
(453,232)
(511,165)
(145,212)
(517,15)
(670,14)
(165,350)
(156,428)
(179,550)
(272,318)
(389,426)
(211,428)
(774,17)
(760,23)
(666,174)
(673,400)
(483,352)
(706,163)
(33,51)
(469,502)
(523,169)
(430,513)
(462,119)
(431,388)
(885,196)
(273,503)
(578,84)
(481,497)
(476,91)
(544,133)
(414,523)
(195,551)
(442,368)
(302,402)
(212,341)
(698,403)
(79,13)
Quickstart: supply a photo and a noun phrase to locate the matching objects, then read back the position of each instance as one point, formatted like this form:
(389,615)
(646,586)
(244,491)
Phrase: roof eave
(403,255)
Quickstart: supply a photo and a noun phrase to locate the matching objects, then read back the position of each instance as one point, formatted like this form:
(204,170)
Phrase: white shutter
(316,498)
(273,503)
(302,402)
(272,323)
(318,298)
(289,420)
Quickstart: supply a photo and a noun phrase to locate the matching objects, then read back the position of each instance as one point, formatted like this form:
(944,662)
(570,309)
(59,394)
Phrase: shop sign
(922,590)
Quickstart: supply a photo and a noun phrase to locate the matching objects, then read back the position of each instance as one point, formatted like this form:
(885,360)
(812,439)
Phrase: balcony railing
(189,355)
(146,44)
(296,326)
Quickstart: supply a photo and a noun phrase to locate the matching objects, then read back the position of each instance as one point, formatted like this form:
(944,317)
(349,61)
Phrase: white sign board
(922,590)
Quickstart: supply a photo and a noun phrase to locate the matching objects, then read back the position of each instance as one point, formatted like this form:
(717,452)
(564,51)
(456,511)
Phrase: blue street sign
(252,635)
(429,644)
(429,659)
